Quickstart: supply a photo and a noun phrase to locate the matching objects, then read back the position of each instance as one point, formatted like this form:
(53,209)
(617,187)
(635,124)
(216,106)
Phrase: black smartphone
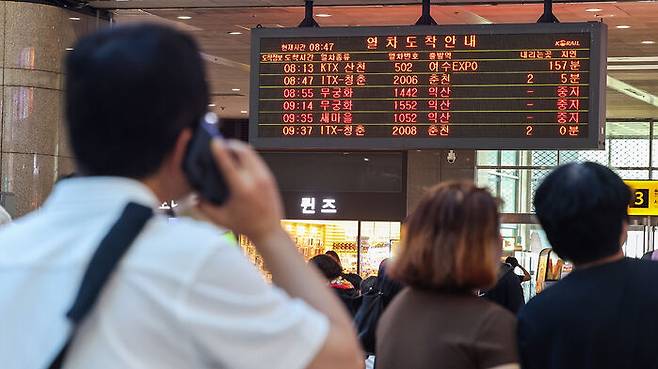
(199,163)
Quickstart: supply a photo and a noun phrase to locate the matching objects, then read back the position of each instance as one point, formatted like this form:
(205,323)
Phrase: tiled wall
(33,144)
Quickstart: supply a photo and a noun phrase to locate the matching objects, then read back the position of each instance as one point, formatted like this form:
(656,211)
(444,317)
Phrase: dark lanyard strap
(99,270)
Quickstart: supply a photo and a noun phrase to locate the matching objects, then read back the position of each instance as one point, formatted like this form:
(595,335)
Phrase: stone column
(429,167)
(33,145)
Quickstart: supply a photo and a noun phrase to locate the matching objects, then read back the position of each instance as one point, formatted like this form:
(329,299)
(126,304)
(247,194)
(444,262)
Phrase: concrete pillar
(34,150)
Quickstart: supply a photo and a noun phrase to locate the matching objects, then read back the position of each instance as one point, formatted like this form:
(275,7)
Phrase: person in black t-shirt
(507,292)
(353,278)
(333,272)
(511,260)
(603,314)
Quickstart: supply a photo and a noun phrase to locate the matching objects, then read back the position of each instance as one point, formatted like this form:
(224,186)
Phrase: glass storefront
(316,237)
(361,246)
(348,202)
(379,240)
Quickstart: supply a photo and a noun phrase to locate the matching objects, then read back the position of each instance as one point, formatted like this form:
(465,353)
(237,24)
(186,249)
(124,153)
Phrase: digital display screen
(423,87)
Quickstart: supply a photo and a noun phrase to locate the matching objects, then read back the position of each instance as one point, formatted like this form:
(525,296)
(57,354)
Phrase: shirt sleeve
(496,344)
(238,321)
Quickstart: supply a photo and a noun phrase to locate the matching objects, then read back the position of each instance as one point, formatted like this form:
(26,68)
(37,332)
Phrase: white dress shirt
(183,296)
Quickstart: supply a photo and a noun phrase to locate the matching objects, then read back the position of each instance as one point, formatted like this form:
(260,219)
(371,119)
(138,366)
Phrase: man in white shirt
(183,296)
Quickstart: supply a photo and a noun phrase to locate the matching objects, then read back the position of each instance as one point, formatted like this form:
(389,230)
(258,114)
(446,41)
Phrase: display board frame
(597,85)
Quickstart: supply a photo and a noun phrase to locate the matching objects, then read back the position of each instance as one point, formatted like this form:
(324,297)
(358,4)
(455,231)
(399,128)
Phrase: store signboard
(382,206)
(326,205)
(645,198)
(489,86)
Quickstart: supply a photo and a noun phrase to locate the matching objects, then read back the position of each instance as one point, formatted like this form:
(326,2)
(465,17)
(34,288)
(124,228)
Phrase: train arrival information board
(421,87)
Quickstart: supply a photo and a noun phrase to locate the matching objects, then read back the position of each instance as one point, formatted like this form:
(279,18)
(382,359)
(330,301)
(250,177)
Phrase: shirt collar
(100,193)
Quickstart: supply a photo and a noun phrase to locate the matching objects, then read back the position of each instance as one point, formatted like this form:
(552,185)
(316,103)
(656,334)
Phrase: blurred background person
(388,286)
(373,305)
(368,284)
(333,272)
(334,255)
(514,263)
(354,278)
(650,255)
(507,292)
(452,248)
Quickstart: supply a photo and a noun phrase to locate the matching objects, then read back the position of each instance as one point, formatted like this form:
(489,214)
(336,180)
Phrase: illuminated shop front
(361,225)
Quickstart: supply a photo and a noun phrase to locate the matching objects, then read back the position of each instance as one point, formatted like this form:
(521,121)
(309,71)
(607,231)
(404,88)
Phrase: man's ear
(173,166)
(178,155)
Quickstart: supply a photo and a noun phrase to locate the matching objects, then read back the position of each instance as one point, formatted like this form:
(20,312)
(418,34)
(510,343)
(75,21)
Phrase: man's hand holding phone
(254,209)
(254,206)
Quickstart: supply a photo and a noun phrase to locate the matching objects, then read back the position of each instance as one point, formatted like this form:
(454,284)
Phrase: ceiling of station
(633,62)
(160,4)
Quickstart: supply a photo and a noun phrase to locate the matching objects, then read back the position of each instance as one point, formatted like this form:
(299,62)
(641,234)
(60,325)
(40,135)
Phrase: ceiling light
(366,159)
(243,111)
(323,15)
(623,27)
(184,17)
(74,18)
(235,33)
(235,89)
(69,49)
(648,42)
(593,10)
(212,105)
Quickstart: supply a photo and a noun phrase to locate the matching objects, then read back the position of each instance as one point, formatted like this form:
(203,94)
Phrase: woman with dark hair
(333,272)
(451,249)
(353,278)
(334,255)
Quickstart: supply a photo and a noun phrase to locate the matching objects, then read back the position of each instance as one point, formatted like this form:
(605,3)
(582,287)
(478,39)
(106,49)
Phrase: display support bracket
(426,17)
(308,21)
(548,16)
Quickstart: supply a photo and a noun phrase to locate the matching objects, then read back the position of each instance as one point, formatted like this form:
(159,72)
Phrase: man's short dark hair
(130,92)
(582,208)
